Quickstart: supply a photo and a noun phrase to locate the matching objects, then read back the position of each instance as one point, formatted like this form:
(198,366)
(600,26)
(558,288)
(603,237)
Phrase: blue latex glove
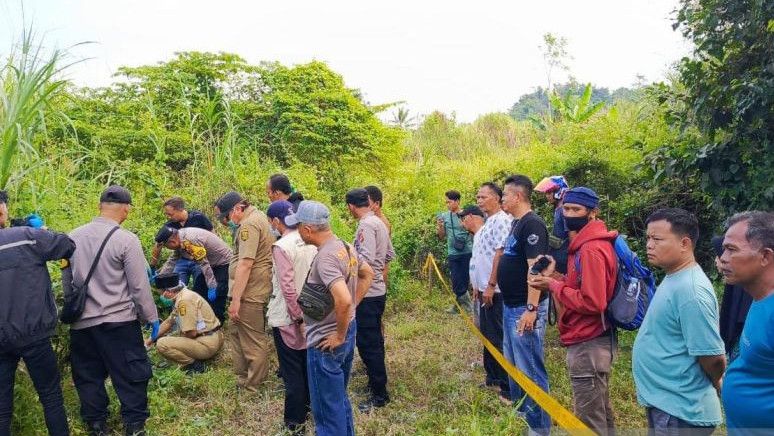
(212,293)
(151,275)
(154,328)
(35,221)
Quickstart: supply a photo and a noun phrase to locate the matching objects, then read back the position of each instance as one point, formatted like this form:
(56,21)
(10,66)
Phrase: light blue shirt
(748,387)
(681,325)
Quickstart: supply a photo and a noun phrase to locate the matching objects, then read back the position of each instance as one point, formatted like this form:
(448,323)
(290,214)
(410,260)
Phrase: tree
(724,103)
(555,56)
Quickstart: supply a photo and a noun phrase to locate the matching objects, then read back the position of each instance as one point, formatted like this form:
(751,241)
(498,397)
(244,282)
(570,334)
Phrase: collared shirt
(253,240)
(192,313)
(119,289)
(487,241)
(373,244)
(203,247)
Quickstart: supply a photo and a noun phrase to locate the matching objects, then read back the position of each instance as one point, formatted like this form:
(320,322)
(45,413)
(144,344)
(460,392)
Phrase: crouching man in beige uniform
(200,336)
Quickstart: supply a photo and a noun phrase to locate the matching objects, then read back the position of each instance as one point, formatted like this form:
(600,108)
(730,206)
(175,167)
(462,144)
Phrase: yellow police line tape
(563,417)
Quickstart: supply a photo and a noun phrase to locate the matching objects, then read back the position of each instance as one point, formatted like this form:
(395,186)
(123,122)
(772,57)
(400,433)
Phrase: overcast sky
(467,57)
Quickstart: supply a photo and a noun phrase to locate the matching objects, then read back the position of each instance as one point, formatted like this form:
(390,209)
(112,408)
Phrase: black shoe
(134,429)
(97,428)
(197,367)
(373,402)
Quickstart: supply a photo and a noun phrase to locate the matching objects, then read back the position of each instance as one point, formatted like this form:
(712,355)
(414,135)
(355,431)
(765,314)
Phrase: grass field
(433,385)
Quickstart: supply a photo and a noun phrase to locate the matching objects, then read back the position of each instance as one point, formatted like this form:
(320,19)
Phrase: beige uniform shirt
(192,313)
(253,240)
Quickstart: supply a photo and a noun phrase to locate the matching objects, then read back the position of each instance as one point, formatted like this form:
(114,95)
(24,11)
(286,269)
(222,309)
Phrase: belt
(211,332)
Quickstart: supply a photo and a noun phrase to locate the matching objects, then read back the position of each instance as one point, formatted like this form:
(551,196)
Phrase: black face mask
(576,223)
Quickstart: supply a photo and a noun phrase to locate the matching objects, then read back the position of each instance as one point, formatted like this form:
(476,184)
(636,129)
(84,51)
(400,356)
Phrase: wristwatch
(531,307)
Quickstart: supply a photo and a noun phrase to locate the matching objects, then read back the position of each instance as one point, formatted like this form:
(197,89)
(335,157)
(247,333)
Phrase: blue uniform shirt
(748,387)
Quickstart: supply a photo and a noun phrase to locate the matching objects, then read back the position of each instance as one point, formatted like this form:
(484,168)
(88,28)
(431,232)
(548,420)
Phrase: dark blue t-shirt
(528,239)
(195,219)
(748,386)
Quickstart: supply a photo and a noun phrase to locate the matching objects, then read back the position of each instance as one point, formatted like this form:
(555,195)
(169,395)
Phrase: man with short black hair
(107,339)
(330,339)
(493,237)
(209,253)
(748,260)
(28,316)
(525,309)
(459,246)
(278,188)
(373,245)
(178,218)
(376,202)
(679,334)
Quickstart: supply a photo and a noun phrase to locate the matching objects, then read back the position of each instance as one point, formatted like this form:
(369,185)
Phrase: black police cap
(116,194)
(168,280)
(164,233)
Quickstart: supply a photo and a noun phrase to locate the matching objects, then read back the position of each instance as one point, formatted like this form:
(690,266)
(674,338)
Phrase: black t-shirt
(528,239)
(195,219)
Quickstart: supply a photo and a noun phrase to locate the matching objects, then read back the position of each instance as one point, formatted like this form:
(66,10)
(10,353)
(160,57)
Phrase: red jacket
(583,297)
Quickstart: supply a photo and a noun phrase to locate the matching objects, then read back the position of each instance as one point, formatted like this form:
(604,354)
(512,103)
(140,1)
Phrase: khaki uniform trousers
(184,351)
(250,346)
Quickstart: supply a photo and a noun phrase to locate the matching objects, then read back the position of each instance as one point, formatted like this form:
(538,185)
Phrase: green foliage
(28,87)
(573,108)
(724,103)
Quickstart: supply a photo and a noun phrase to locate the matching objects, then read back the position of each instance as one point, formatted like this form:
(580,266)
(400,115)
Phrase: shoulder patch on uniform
(64,264)
(181,309)
(244,234)
(533,239)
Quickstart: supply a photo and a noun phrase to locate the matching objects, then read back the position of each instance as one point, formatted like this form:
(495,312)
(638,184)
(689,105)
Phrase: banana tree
(573,108)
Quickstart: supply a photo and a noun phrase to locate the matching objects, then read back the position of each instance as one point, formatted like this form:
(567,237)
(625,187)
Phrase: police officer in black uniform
(28,317)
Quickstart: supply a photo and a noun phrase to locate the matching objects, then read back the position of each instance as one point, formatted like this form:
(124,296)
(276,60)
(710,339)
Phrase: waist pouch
(315,300)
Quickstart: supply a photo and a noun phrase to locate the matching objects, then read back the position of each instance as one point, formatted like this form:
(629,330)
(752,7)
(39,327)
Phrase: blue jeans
(661,423)
(328,373)
(526,353)
(186,269)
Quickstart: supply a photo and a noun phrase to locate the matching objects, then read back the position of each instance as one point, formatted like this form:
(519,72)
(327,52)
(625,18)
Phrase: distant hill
(536,102)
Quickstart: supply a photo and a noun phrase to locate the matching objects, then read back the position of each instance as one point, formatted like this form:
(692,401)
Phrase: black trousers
(115,350)
(459,267)
(370,343)
(200,287)
(491,320)
(40,360)
(292,366)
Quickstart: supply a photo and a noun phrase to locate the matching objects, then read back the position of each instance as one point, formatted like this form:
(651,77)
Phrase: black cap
(116,194)
(167,280)
(3,197)
(227,202)
(471,210)
(358,197)
(164,233)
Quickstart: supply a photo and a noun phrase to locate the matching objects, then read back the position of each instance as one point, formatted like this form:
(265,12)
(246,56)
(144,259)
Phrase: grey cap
(116,194)
(309,212)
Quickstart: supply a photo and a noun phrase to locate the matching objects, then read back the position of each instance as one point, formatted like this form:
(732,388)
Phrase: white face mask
(275,232)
